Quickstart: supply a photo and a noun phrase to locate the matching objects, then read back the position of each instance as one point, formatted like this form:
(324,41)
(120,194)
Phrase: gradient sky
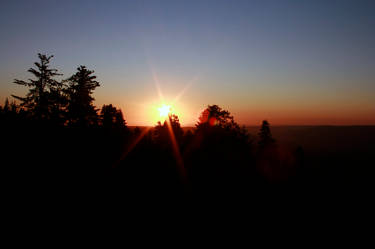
(291,62)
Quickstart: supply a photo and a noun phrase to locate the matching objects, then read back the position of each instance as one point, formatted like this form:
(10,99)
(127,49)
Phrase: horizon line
(275,125)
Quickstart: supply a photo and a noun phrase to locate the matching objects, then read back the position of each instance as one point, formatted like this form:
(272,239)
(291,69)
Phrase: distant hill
(325,139)
(320,140)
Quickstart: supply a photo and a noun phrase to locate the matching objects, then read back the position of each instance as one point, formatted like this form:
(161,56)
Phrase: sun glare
(164,110)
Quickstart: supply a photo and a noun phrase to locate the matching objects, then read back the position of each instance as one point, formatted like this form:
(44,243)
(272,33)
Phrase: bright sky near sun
(291,62)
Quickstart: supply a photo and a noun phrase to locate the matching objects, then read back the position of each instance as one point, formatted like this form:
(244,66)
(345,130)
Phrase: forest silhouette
(57,142)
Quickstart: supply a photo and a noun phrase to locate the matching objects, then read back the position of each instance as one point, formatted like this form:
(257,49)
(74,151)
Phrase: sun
(164,110)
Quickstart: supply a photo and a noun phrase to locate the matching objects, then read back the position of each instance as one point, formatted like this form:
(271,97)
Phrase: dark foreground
(312,166)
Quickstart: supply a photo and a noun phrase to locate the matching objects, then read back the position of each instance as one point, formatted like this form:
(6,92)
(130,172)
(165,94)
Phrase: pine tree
(81,111)
(6,107)
(39,101)
(265,136)
(111,117)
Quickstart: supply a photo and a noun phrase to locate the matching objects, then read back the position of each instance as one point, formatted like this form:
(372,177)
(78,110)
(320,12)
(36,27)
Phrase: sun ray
(182,92)
(132,146)
(164,112)
(176,151)
(157,85)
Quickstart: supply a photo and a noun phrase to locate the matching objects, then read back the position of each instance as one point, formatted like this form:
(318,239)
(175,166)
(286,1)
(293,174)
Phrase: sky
(290,62)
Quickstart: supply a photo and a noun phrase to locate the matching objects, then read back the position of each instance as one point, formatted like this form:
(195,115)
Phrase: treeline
(66,102)
(55,136)
(59,151)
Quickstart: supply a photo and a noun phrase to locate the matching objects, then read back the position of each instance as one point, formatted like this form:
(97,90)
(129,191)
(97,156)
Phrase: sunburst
(164,110)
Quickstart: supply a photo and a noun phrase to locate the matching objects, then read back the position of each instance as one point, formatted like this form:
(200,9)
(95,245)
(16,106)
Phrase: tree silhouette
(216,122)
(269,163)
(81,111)
(265,136)
(6,107)
(112,117)
(176,126)
(162,131)
(9,111)
(213,115)
(219,154)
(40,101)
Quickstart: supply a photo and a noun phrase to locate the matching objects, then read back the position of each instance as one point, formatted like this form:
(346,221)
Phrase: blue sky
(292,62)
